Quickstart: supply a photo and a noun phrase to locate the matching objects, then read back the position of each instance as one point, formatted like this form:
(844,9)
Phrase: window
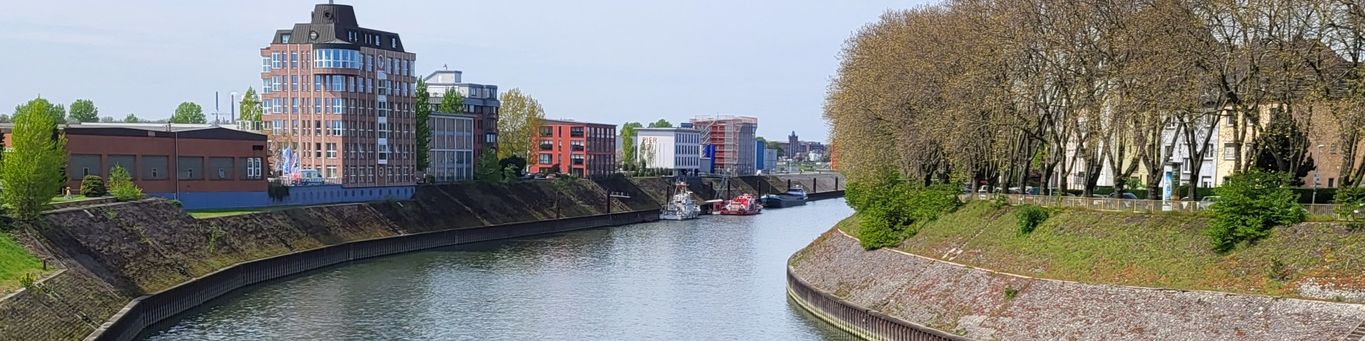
(265,64)
(294,82)
(294,60)
(546,131)
(253,168)
(284,38)
(190,167)
(275,60)
(331,172)
(331,150)
(336,128)
(294,105)
(221,167)
(1229,151)
(317,105)
(545,159)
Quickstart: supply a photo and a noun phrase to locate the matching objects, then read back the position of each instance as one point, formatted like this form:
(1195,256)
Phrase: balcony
(579,148)
(547,147)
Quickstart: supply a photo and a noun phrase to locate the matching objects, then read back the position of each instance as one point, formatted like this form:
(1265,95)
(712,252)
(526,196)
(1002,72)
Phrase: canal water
(716,278)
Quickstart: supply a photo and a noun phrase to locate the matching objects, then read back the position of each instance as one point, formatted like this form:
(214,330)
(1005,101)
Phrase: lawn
(205,214)
(1152,250)
(15,263)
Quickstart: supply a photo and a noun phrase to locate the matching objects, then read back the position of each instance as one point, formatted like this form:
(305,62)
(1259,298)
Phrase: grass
(16,263)
(61,198)
(1151,250)
(205,214)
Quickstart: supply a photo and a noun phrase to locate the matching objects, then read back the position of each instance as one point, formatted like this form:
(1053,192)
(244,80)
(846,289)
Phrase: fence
(1127,205)
(866,323)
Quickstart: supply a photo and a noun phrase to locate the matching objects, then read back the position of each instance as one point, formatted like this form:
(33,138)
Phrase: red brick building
(576,148)
(340,98)
(203,166)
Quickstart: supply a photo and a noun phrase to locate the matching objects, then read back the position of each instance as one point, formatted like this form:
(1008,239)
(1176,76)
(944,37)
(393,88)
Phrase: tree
(131,118)
(188,113)
(516,163)
(452,102)
(250,109)
(57,111)
(423,138)
(83,110)
(661,123)
(92,186)
(629,151)
(487,168)
(31,169)
(518,124)
(121,185)
(1249,205)
(107,119)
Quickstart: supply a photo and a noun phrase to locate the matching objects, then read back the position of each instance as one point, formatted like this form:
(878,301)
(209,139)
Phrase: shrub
(121,185)
(1250,204)
(277,191)
(1030,217)
(177,203)
(891,210)
(1011,293)
(1350,200)
(93,187)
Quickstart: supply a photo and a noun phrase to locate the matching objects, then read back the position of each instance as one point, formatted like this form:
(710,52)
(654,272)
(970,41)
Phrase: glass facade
(337,59)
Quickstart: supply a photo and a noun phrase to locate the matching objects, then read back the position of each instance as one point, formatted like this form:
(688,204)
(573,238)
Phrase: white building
(678,149)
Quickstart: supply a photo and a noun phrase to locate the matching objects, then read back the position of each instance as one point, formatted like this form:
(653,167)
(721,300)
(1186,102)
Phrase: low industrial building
(203,166)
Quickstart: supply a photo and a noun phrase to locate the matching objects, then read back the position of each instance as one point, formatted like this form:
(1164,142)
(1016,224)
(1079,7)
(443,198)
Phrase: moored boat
(680,206)
(782,200)
(745,204)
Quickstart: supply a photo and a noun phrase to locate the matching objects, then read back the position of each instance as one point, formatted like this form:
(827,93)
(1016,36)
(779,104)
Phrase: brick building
(201,165)
(339,98)
(576,148)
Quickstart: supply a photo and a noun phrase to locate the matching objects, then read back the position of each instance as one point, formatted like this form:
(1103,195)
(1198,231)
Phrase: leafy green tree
(93,186)
(514,162)
(31,169)
(189,112)
(250,109)
(519,123)
(1250,204)
(661,123)
(122,187)
(131,118)
(452,102)
(83,110)
(628,147)
(487,168)
(57,111)
(423,143)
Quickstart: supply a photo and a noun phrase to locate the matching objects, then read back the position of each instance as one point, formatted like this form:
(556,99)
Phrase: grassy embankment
(1161,250)
(16,263)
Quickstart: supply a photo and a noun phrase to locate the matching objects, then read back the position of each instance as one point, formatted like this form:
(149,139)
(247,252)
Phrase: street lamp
(1316,178)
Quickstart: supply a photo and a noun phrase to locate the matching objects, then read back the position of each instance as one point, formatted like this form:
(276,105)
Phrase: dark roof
(572,122)
(336,25)
(209,133)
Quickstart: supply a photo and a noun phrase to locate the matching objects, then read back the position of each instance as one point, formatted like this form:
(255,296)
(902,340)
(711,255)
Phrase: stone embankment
(111,254)
(987,305)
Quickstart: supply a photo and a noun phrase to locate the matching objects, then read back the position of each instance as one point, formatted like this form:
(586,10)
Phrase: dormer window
(284,38)
(394,42)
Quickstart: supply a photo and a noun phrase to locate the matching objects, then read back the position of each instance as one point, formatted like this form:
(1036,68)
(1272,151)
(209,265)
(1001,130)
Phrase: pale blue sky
(602,61)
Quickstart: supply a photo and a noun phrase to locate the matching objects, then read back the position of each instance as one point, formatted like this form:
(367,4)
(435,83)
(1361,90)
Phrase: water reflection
(717,278)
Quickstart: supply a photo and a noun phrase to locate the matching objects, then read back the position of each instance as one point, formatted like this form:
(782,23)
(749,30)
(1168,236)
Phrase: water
(717,278)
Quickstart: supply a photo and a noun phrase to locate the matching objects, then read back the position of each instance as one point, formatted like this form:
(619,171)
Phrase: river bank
(112,254)
(984,304)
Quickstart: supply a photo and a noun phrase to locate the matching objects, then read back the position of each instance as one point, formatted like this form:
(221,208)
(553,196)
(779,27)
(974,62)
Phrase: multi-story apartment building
(339,99)
(453,151)
(678,149)
(575,148)
(480,101)
(731,140)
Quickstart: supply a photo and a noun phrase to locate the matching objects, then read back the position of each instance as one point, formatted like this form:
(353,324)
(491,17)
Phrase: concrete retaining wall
(148,310)
(977,304)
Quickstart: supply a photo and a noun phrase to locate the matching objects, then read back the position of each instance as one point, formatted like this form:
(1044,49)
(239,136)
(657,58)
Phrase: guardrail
(1123,205)
(866,323)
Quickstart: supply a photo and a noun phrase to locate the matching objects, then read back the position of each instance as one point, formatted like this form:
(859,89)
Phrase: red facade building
(575,148)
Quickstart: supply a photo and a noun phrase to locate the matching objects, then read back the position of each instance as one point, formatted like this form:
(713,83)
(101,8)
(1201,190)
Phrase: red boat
(744,204)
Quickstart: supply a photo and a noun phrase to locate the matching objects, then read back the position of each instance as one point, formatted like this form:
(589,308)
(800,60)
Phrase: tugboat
(744,204)
(681,206)
(795,196)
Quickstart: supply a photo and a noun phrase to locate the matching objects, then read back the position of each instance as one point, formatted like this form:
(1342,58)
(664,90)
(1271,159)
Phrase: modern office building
(203,166)
(339,99)
(480,101)
(732,141)
(576,148)
(677,149)
(453,150)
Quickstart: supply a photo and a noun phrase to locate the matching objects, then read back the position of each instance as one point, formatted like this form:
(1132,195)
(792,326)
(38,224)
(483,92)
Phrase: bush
(1030,217)
(891,210)
(93,187)
(121,185)
(277,191)
(1349,200)
(1250,204)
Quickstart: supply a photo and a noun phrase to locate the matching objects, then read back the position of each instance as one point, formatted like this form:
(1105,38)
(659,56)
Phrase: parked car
(1207,202)
(1125,196)
(309,177)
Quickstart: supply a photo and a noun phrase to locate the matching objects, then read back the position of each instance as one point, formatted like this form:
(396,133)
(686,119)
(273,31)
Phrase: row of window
(372,174)
(337,59)
(295,105)
(337,83)
(156,167)
(352,151)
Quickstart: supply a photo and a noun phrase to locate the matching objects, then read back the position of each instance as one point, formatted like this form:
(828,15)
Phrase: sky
(590,60)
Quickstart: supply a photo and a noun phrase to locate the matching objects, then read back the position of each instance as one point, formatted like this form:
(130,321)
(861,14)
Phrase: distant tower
(793,145)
